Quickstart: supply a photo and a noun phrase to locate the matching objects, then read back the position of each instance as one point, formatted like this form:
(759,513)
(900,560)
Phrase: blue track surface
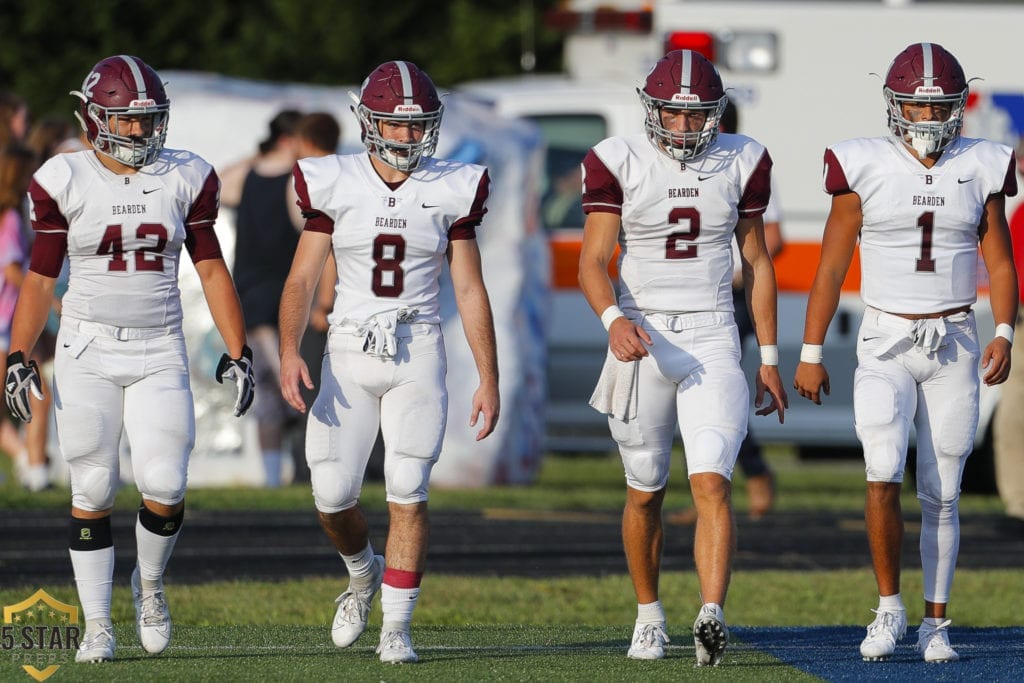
(831,652)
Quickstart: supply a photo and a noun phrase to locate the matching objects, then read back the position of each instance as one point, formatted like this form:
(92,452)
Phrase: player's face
(131,126)
(918,112)
(402,131)
(683,121)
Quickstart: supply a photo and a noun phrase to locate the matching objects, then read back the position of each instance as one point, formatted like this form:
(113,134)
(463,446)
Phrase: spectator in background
(13,118)
(55,135)
(760,478)
(17,163)
(1008,428)
(267,234)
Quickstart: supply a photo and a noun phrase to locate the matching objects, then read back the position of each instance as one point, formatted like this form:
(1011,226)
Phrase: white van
(801,74)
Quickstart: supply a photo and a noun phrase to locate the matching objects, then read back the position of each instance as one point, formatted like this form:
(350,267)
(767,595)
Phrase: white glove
(239,370)
(21,379)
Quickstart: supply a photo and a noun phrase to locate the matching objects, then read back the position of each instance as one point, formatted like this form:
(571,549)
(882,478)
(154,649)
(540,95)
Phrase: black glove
(237,369)
(20,380)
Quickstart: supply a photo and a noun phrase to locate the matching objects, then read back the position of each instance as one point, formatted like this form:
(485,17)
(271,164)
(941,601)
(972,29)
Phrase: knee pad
(334,489)
(713,449)
(882,427)
(407,478)
(162,481)
(645,469)
(92,486)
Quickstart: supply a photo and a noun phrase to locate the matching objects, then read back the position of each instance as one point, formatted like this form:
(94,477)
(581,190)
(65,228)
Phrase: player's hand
(811,379)
(627,341)
(21,379)
(996,361)
(486,402)
(293,371)
(768,379)
(240,371)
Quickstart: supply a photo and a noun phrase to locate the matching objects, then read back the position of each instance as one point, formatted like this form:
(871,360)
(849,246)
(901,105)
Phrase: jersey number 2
(147,258)
(672,248)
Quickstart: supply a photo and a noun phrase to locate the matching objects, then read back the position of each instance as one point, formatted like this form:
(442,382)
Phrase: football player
(673,199)
(392,217)
(121,213)
(921,202)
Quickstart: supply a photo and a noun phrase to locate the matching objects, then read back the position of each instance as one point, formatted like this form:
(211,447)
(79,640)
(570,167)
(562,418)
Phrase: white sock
(94,576)
(651,613)
(890,603)
(398,604)
(272,468)
(360,565)
(934,622)
(153,553)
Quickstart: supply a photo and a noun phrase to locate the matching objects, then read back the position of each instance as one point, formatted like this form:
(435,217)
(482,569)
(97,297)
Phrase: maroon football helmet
(683,79)
(926,73)
(399,91)
(124,86)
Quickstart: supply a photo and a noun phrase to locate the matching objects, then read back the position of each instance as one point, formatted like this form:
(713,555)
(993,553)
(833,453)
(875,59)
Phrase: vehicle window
(568,137)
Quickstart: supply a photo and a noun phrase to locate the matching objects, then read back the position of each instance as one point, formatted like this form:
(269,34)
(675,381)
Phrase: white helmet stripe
(687,68)
(140,82)
(929,65)
(403,69)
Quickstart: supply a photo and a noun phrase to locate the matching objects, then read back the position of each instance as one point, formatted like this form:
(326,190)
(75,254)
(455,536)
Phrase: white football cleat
(880,642)
(648,641)
(396,648)
(97,645)
(710,635)
(354,607)
(933,643)
(152,618)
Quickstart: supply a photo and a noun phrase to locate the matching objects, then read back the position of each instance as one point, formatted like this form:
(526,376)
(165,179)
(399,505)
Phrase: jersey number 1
(926,221)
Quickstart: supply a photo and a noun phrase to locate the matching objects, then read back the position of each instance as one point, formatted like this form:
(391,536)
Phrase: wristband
(1005,331)
(610,315)
(770,354)
(810,353)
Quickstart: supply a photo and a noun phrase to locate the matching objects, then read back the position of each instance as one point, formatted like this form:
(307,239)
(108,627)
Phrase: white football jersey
(124,232)
(389,244)
(919,238)
(678,219)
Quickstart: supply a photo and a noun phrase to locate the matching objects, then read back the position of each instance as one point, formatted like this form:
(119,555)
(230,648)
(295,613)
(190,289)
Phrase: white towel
(617,388)
(927,334)
(379,331)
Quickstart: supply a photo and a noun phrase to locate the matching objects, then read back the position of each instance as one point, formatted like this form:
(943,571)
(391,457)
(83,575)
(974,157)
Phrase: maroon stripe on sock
(399,578)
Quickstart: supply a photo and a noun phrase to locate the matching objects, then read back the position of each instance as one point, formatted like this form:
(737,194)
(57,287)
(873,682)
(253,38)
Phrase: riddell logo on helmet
(408,109)
(681,97)
(142,103)
(928,90)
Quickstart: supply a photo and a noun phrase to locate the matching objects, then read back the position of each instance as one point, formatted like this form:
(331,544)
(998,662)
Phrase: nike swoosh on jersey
(701,178)
(429,206)
(961,181)
(152,189)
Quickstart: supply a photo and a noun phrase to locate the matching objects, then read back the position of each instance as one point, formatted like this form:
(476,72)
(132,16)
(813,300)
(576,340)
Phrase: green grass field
(504,629)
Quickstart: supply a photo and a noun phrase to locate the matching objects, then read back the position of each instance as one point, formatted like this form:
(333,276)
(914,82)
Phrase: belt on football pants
(677,322)
(118,333)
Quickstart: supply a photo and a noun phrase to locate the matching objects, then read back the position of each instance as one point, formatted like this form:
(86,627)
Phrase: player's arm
(762,300)
(837,247)
(477,321)
(997,250)
(600,237)
(33,308)
(222,299)
(293,316)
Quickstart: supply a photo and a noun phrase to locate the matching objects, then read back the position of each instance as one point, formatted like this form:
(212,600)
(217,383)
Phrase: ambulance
(804,75)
